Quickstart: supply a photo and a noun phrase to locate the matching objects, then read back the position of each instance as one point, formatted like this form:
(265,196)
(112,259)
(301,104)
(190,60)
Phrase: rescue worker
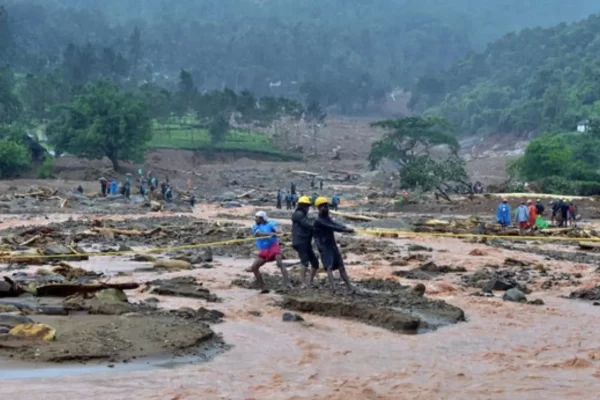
(103,186)
(335,202)
(313,198)
(532,214)
(80,189)
(321,184)
(293,188)
(302,233)
(142,188)
(555,210)
(572,215)
(279,198)
(294,199)
(564,213)
(268,249)
(190,184)
(522,217)
(539,207)
(288,201)
(323,230)
(163,188)
(169,194)
(113,187)
(503,213)
(192,200)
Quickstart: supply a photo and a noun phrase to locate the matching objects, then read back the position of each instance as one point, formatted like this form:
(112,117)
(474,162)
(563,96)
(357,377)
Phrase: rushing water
(504,350)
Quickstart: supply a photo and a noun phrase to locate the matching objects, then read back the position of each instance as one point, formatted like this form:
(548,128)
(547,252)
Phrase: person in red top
(532,214)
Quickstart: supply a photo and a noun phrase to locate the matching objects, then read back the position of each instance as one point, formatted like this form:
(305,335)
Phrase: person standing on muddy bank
(532,214)
(103,187)
(302,234)
(268,249)
(503,214)
(324,230)
(522,217)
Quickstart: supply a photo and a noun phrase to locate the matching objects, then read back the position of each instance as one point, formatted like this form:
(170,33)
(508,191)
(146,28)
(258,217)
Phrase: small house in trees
(583,126)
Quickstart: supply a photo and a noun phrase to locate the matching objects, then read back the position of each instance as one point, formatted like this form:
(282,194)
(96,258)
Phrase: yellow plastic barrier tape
(8,257)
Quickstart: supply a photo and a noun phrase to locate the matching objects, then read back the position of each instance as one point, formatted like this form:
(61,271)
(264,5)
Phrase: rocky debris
(172,265)
(143,258)
(536,302)
(291,317)
(111,295)
(513,262)
(590,294)
(489,279)
(8,288)
(418,247)
(574,257)
(231,204)
(514,295)
(477,252)
(419,289)
(34,331)
(186,286)
(385,304)
(428,271)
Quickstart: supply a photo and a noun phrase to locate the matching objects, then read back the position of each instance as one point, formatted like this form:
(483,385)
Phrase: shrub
(47,167)
(14,158)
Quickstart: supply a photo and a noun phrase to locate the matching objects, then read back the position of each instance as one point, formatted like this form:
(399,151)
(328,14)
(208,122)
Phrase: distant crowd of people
(529,215)
(291,197)
(145,184)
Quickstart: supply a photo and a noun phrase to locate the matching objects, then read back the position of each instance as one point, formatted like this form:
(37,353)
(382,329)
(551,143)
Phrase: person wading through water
(302,234)
(268,249)
(324,228)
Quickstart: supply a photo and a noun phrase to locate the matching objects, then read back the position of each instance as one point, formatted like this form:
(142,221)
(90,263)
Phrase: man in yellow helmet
(323,230)
(302,234)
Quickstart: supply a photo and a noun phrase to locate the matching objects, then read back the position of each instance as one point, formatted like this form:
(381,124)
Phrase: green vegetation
(345,53)
(408,143)
(14,158)
(184,136)
(102,122)
(566,163)
(535,80)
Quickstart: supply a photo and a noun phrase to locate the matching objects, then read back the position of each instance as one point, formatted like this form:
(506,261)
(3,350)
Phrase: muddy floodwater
(503,350)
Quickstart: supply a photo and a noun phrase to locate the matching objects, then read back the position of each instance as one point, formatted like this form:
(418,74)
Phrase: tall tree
(103,122)
(408,143)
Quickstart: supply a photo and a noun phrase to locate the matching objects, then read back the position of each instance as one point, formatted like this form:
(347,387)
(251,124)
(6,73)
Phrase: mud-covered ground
(498,318)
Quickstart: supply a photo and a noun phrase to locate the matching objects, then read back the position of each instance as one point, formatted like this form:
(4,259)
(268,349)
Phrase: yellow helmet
(320,201)
(304,200)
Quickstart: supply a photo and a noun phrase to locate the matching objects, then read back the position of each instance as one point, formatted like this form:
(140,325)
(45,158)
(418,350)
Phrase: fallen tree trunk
(66,289)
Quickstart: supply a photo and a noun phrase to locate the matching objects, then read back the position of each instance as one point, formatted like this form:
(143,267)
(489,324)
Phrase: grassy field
(182,135)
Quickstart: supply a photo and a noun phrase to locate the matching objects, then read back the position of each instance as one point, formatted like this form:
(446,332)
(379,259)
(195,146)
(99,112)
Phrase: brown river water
(503,351)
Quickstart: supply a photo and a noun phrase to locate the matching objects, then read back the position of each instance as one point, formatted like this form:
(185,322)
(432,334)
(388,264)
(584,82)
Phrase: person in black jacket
(323,230)
(302,234)
(539,207)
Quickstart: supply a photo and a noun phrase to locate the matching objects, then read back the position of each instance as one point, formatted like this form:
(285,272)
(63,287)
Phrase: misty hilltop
(340,52)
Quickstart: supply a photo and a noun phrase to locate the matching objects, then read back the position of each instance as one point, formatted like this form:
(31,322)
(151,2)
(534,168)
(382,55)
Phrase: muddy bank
(387,305)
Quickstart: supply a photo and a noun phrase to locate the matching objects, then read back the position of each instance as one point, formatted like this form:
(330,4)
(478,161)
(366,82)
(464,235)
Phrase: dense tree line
(94,117)
(567,163)
(346,53)
(535,80)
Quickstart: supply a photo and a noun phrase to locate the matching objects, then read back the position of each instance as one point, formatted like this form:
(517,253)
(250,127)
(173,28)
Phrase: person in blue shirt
(113,187)
(503,213)
(268,249)
(335,202)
